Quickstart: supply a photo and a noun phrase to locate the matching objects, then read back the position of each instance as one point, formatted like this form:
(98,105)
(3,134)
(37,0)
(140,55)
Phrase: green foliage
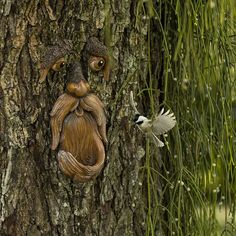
(197,81)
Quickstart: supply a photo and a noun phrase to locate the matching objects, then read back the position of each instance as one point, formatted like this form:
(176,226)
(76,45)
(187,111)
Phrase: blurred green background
(196,80)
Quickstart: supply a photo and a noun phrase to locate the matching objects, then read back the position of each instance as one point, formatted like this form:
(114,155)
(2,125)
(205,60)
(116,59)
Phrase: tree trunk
(36,198)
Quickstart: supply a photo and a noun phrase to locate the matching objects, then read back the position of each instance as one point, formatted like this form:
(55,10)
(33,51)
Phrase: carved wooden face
(79,89)
(78,119)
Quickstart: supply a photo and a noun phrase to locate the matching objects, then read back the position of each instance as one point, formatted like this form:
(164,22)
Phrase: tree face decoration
(54,58)
(96,63)
(97,57)
(78,121)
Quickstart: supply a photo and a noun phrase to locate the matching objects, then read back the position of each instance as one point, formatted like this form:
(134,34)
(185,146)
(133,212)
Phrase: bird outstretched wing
(163,122)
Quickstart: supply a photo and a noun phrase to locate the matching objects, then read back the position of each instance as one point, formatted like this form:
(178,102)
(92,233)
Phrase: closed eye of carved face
(96,63)
(58,64)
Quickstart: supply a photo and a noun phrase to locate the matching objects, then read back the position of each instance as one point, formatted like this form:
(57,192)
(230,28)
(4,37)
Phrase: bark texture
(36,198)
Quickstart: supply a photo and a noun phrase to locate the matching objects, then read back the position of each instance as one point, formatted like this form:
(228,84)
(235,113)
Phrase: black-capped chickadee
(161,123)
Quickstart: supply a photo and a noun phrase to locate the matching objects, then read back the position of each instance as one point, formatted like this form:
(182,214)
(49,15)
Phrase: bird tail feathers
(156,140)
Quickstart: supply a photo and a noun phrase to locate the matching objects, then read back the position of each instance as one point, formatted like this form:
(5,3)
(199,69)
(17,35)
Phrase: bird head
(138,119)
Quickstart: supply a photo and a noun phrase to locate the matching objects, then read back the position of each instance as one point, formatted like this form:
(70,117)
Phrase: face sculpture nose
(78,89)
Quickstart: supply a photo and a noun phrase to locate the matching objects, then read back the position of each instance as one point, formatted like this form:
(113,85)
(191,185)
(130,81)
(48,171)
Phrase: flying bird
(162,123)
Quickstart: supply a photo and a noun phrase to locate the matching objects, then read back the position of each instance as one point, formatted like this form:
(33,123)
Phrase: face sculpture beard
(79,128)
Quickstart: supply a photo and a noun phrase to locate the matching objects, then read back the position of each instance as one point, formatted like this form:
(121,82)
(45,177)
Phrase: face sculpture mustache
(78,126)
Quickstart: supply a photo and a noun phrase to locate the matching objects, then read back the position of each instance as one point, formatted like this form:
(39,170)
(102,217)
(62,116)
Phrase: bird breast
(146,125)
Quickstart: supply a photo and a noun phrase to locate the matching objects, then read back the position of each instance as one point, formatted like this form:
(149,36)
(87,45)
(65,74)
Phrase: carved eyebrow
(96,48)
(54,53)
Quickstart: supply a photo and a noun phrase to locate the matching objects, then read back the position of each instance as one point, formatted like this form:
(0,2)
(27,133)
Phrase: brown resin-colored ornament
(54,58)
(78,126)
(97,57)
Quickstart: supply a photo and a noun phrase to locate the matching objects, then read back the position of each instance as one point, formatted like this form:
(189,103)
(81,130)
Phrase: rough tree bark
(36,198)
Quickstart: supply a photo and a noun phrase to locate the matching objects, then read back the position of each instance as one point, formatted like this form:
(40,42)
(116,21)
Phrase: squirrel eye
(96,63)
